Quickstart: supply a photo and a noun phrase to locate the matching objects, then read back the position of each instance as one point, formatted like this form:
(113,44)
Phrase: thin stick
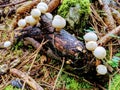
(37,51)
(100,1)
(107,37)
(53,4)
(25,77)
(58,74)
(111,50)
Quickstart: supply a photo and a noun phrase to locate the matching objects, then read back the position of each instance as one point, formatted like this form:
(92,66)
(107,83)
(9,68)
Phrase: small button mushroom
(101,69)
(35,13)
(58,22)
(91,45)
(99,52)
(7,44)
(43,7)
(22,23)
(30,20)
(91,36)
(49,15)
(43,4)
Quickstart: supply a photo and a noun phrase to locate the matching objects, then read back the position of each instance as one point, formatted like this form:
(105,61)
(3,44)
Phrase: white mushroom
(22,23)
(91,36)
(43,7)
(99,52)
(43,4)
(49,15)
(7,44)
(58,22)
(36,13)
(101,69)
(91,45)
(30,20)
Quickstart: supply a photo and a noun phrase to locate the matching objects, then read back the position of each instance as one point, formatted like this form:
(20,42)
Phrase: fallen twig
(27,6)
(58,74)
(53,4)
(116,15)
(30,81)
(33,42)
(107,37)
(108,18)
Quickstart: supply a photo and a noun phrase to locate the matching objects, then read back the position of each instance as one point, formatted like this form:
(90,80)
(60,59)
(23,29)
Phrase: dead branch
(25,77)
(107,37)
(116,15)
(33,42)
(100,1)
(53,4)
(108,18)
(27,7)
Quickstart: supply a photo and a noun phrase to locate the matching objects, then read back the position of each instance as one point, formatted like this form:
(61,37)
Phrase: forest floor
(25,65)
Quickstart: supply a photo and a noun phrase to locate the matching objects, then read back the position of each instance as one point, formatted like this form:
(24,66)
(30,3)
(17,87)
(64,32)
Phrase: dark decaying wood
(62,42)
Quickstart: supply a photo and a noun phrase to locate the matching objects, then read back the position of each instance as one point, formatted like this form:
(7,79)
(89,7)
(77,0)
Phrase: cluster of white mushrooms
(58,22)
(98,51)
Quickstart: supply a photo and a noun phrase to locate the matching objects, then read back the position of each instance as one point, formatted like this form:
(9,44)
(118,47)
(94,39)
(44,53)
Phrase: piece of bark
(116,15)
(108,18)
(25,77)
(53,4)
(107,37)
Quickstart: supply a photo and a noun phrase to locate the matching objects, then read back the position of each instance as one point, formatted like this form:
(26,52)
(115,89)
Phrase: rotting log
(61,43)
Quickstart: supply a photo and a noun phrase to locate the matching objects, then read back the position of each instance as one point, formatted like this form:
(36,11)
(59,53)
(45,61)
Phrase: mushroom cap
(58,22)
(42,9)
(91,45)
(22,23)
(49,15)
(36,13)
(43,4)
(30,20)
(91,36)
(7,43)
(99,52)
(101,69)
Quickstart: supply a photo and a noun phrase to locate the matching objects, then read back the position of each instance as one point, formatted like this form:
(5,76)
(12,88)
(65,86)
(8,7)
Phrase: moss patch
(76,13)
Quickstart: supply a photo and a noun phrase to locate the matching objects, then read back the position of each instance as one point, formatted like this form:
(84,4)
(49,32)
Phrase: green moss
(71,83)
(10,87)
(64,8)
(115,84)
(76,13)
(84,7)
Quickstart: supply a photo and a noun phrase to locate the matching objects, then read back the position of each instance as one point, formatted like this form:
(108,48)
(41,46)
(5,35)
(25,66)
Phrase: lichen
(80,12)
